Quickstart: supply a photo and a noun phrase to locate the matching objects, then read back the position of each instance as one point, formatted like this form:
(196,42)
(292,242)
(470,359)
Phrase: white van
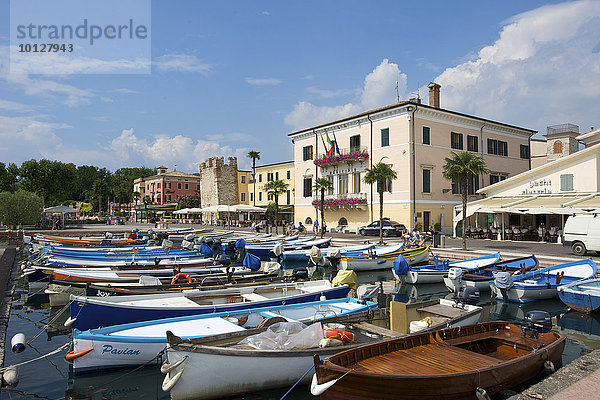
(582,233)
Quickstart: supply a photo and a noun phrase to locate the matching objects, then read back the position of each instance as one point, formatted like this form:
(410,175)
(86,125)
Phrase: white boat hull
(414,277)
(454,284)
(521,295)
(229,375)
(373,264)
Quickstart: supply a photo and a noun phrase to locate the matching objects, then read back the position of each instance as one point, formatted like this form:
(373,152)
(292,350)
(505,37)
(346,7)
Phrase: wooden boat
(542,283)
(139,343)
(76,241)
(432,314)
(581,295)
(448,364)
(93,312)
(265,251)
(383,258)
(480,277)
(435,273)
(235,370)
(295,258)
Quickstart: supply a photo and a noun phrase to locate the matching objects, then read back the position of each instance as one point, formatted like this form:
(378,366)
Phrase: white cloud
(326,94)
(125,90)
(28,137)
(181,63)
(264,81)
(379,89)
(264,13)
(544,69)
(13,106)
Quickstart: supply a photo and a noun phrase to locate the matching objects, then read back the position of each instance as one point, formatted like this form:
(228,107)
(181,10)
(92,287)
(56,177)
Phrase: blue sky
(233,76)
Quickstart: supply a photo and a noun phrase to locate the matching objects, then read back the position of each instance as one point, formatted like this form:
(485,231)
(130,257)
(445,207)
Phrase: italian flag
(332,148)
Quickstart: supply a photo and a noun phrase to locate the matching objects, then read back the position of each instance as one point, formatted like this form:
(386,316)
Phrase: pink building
(166,187)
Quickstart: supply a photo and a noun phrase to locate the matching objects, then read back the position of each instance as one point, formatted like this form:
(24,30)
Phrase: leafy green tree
(20,207)
(380,174)
(86,176)
(254,155)
(321,185)
(8,177)
(189,200)
(463,167)
(54,181)
(275,188)
(99,195)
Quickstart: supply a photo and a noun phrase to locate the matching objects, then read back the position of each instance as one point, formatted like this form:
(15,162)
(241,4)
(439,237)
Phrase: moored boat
(383,258)
(542,283)
(581,295)
(435,273)
(452,363)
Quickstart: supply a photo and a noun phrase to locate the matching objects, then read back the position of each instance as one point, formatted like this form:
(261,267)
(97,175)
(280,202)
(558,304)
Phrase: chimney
(434,94)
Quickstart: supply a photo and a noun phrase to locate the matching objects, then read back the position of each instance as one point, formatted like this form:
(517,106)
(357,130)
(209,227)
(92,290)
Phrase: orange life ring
(180,277)
(347,337)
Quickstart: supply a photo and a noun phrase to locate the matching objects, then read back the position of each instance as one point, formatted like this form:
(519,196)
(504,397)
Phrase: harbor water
(50,377)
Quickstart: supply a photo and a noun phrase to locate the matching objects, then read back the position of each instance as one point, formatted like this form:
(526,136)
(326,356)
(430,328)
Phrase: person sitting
(301,228)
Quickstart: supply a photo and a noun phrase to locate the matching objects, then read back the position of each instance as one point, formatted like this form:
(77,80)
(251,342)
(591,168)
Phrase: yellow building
(244,178)
(271,172)
(414,139)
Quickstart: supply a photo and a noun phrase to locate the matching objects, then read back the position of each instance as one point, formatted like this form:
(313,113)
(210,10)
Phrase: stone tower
(561,141)
(218,182)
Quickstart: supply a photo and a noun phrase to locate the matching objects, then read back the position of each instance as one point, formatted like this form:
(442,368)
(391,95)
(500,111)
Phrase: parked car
(390,228)
(582,233)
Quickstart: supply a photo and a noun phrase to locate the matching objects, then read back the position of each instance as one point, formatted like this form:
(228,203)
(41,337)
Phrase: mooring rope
(58,350)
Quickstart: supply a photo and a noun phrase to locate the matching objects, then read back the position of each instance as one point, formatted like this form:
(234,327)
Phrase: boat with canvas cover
(93,312)
(138,343)
(480,277)
(468,362)
(542,283)
(435,273)
(383,257)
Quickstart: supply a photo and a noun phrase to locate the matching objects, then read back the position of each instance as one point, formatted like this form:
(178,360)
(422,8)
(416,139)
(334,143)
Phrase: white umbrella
(182,211)
(247,208)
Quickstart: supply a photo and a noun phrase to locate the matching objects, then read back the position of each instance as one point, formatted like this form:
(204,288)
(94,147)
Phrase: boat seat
(442,310)
(589,289)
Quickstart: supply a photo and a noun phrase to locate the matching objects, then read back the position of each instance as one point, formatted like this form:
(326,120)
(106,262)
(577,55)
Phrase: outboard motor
(216,247)
(239,251)
(189,237)
(278,251)
(455,273)
(400,268)
(468,295)
(536,322)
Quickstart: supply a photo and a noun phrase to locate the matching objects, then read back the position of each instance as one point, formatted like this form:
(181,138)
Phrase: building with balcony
(165,187)
(414,139)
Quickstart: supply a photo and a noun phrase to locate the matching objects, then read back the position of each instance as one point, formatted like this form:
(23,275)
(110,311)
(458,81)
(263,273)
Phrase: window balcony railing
(349,200)
(357,153)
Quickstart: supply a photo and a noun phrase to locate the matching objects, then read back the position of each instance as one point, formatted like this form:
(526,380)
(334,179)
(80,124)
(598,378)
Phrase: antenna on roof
(397,90)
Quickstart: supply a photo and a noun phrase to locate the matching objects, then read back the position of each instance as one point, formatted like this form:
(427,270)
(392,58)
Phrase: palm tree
(254,155)
(321,185)
(463,167)
(275,188)
(380,173)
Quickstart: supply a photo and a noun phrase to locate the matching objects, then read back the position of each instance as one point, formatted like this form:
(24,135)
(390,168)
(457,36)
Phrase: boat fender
(330,343)
(70,321)
(347,337)
(316,389)
(549,367)
(18,343)
(182,276)
(167,367)
(71,355)
(10,377)
(169,382)
(482,394)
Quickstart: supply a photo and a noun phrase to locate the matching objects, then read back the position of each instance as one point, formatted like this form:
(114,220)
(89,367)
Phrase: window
(497,147)
(356,182)
(426,181)
(525,152)
(426,135)
(472,143)
(187,186)
(387,186)
(566,182)
(307,153)
(259,196)
(243,179)
(269,176)
(558,147)
(330,190)
(307,188)
(168,198)
(167,185)
(456,140)
(288,196)
(179,186)
(242,196)
(260,177)
(494,179)
(288,174)
(343,184)
(472,186)
(385,137)
(251,196)
(269,197)
(276,176)
(198,187)
(354,143)
(158,185)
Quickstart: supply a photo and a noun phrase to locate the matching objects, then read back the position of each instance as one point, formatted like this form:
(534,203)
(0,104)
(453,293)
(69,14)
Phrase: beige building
(546,194)
(244,178)
(414,139)
(271,172)
(219,182)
